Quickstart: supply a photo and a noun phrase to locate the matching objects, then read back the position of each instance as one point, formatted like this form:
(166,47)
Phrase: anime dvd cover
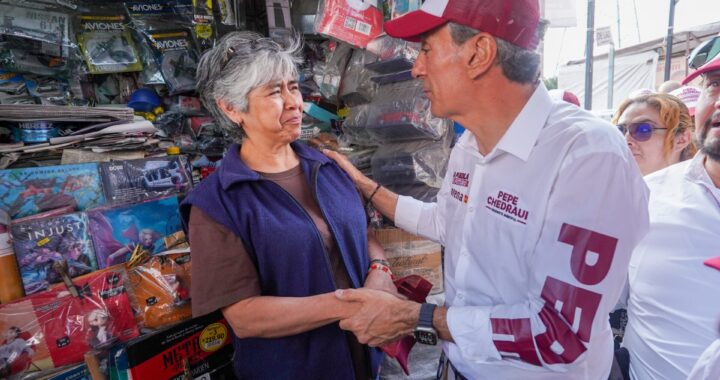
(40,243)
(150,227)
(133,181)
(30,191)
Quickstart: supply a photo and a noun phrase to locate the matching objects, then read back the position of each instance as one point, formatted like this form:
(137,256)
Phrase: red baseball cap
(514,21)
(713,263)
(713,65)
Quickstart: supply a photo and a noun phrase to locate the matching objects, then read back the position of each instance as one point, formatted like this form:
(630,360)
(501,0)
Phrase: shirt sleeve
(222,271)
(424,219)
(596,214)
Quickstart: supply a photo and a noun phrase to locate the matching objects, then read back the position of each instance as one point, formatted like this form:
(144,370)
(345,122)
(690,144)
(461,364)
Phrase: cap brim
(413,25)
(710,66)
(713,263)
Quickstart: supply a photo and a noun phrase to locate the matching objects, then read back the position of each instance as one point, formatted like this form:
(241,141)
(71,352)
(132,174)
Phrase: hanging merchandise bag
(175,54)
(106,45)
(353,21)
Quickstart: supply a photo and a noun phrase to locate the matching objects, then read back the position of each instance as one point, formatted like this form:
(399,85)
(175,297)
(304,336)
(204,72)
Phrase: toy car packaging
(106,45)
(175,54)
(161,288)
(198,348)
(353,21)
(54,328)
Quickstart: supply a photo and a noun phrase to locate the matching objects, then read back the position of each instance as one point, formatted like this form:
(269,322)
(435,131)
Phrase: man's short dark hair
(518,64)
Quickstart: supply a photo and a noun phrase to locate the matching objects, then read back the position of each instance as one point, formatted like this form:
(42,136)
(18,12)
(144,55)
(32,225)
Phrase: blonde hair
(673,113)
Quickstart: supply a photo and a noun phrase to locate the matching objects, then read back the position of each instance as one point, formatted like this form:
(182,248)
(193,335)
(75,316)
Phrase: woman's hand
(382,281)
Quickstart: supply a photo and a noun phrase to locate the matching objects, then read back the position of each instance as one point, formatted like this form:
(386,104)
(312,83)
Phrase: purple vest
(290,257)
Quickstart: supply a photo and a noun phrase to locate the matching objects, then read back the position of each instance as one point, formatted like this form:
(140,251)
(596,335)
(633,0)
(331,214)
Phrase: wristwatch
(424,332)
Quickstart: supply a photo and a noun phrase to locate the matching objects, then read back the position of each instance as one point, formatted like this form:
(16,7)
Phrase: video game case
(41,243)
(29,191)
(152,226)
(133,181)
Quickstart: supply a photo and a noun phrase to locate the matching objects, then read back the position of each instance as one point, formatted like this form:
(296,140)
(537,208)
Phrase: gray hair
(239,63)
(518,64)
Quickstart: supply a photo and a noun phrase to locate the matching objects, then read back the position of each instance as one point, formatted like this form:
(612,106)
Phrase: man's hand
(382,318)
(360,180)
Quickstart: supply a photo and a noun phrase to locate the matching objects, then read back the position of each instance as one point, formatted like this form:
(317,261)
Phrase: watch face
(426,336)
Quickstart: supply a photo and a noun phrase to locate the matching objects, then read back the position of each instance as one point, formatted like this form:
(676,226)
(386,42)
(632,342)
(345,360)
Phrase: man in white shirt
(672,316)
(539,211)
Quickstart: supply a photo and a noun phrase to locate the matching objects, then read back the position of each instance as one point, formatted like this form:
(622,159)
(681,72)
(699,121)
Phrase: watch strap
(426,315)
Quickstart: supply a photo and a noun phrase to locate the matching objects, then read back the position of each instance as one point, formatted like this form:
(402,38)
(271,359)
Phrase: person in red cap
(539,211)
(668,327)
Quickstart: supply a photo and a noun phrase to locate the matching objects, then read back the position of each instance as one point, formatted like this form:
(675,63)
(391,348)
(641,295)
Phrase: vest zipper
(317,232)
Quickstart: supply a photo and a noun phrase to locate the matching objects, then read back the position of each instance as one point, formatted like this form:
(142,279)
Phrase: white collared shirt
(558,173)
(673,306)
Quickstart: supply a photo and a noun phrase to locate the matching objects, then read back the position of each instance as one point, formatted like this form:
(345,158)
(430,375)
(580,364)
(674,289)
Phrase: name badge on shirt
(507,205)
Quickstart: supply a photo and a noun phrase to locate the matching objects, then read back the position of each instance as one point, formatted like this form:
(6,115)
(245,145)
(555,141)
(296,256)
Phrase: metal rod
(611,76)
(589,44)
(669,48)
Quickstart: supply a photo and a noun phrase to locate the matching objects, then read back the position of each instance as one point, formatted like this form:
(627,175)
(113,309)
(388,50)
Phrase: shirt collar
(234,170)
(523,133)
(697,173)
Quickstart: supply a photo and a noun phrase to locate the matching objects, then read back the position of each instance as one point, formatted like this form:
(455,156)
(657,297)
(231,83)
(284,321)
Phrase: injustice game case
(152,226)
(40,243)
(29,191)
(133,181)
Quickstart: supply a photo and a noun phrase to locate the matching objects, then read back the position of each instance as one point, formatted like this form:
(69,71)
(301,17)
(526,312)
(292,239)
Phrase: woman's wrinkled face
(648,154)
(275,112)
(10,335)
(97,319)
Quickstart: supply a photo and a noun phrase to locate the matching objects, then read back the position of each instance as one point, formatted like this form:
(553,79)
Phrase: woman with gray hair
(279,226)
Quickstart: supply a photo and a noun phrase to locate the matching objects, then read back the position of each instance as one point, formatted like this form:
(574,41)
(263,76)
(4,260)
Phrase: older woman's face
(648,154)
(275,112)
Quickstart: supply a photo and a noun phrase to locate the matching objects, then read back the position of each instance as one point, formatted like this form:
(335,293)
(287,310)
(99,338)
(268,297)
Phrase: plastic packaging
(177,58)
(352,21)
(420,162)
(161,289)
(395,55)
(399,112)
(333,70)
(356,87)
(53,328)
(106,45)
(38,27)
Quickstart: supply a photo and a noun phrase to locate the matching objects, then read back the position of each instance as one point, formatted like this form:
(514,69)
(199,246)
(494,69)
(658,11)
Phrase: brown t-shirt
(217,253)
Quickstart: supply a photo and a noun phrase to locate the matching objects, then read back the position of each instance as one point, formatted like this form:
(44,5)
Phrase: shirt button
(461,296)
(465,253)
(471,208)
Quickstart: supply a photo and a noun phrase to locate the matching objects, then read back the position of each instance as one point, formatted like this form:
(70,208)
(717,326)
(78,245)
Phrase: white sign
(560,13)
(603,36)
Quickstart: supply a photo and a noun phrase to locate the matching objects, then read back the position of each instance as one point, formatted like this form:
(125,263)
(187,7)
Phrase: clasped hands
(377,314)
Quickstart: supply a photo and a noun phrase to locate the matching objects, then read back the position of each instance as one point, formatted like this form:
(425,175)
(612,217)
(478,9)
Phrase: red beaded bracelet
(384,268)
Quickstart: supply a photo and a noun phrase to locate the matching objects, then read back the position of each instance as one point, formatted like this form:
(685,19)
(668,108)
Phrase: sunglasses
(704,53)
(638,131)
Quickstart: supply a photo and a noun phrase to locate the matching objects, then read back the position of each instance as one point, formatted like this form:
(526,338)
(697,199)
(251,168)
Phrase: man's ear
(230,111)
(480,52)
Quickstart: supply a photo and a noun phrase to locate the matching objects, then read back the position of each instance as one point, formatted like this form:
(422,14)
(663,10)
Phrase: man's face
(707,116)
(439,67)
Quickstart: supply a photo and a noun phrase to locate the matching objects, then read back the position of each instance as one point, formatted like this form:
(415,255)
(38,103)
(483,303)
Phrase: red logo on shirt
(461,179)
(506,204)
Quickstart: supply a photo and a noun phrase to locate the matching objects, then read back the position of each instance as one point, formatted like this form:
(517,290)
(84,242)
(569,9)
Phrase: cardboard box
(409,254)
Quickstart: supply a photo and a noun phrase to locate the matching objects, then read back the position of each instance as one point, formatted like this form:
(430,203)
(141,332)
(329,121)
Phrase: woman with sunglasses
(279,226)
(658,129)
